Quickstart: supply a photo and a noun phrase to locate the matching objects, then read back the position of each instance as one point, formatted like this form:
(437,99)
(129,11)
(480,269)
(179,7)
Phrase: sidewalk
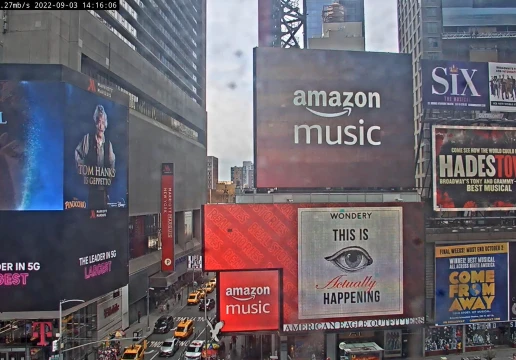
(154,315)
(502,353)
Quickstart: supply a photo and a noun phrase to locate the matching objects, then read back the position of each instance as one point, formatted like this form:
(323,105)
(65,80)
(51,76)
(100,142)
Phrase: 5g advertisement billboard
(342,265)
(471,283)
(323,114)
(469,85)
(63,175)
(474,168)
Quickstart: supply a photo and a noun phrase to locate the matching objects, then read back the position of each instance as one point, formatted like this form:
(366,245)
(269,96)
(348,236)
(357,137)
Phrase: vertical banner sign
(512,281)
(167,217)
(471,283)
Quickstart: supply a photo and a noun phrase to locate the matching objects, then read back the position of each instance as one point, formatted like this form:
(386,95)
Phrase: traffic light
(55,346)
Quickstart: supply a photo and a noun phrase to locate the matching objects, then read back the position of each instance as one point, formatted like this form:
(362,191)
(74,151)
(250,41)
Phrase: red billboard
(167,217)
(249,300)
(355,265)
(474,168)
(323,115)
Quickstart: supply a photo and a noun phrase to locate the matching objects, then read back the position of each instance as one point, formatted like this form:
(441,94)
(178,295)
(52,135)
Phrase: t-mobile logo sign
(42,330)
(2,121)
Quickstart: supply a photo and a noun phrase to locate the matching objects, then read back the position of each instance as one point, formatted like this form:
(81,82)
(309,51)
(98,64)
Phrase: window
(432,42)
(432,27)
(432,12)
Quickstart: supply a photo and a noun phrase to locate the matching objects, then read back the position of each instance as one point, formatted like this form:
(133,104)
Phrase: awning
(163,280)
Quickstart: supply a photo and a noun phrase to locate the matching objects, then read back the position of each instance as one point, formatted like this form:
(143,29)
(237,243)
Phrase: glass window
(442,338)
(432,42)
(432,27)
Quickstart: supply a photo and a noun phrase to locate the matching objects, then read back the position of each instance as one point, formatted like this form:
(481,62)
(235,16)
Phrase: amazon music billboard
(323,114)
(342,265)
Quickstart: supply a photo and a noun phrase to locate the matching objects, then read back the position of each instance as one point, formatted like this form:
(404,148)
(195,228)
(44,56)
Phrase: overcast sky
(232,33)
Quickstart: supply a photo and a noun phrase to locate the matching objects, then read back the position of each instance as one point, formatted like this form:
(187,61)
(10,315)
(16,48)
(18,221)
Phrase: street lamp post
(148,308)
(61,342)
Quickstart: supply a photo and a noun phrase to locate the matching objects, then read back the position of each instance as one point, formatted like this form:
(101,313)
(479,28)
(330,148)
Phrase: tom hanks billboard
(322,115)
(341,265)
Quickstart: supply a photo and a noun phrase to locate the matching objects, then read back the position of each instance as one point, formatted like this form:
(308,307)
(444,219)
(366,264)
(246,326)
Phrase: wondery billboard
(344,269)
(167,217)
(455,84)
(502,82)
(249,300)
(471,283)
(321,115)
(265,236)
(473,168)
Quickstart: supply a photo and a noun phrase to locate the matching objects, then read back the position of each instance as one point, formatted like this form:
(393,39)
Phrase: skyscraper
(213,172)
(467,30)
(354,12)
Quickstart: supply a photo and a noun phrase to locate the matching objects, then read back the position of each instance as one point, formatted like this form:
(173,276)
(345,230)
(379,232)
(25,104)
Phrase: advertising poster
(194,262)
(502,87)
(512,281)
(49,254)
(31,145)
(350,262)
(167,217)
(471,283)
(334,119)
(392,342)
(249,300)
(265,237)
(474,168)
(455,84)
(95,156)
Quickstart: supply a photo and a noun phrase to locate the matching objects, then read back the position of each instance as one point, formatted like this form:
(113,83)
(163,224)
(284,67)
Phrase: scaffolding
(287,24)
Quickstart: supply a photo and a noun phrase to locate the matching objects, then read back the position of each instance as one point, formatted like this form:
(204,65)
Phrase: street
(191,312)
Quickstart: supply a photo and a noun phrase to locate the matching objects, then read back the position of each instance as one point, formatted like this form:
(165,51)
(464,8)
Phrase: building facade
(465,30)
(155,52)
(354,12)
(212,172)
(236,176)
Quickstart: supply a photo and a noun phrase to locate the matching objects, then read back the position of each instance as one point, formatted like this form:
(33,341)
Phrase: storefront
(451,339)
(109,315)
(26,339)
(80,327)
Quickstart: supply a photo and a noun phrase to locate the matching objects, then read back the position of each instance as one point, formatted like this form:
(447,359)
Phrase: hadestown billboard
(323,115)
(463,85)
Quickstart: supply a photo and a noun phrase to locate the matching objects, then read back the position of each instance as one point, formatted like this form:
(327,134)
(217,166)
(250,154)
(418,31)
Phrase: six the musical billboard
(460,85)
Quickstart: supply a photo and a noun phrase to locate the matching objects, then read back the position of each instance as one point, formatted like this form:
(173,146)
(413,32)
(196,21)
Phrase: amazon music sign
(323,114)
(341,266)
(249,300)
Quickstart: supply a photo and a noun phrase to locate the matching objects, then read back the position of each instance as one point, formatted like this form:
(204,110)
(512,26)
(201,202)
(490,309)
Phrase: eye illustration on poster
(343,265)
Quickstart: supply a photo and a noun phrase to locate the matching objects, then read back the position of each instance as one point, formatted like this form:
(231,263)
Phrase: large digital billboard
(343,265)
(473,168)
(63,172)
(348,277)
(321,115)
(469,85)
(249,300)
(471,283)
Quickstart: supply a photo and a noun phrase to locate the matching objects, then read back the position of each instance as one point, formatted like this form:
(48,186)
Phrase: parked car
(169,347)
(209,303)
(164,324)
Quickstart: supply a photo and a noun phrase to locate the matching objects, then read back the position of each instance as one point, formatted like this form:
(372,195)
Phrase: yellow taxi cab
(213,282)
(184,329)
(209,288)
(194,298)
(202,293)
(135,352)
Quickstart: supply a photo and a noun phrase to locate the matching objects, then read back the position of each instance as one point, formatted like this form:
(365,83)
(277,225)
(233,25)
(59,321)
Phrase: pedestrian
(179,297)
(139,316)
(168,306)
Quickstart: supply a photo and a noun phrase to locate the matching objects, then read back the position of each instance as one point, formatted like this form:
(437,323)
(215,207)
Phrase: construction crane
(281,23)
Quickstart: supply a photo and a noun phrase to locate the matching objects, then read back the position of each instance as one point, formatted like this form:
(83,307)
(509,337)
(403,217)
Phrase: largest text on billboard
(471,283)
(333,118)
(474,168)
(343,268)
